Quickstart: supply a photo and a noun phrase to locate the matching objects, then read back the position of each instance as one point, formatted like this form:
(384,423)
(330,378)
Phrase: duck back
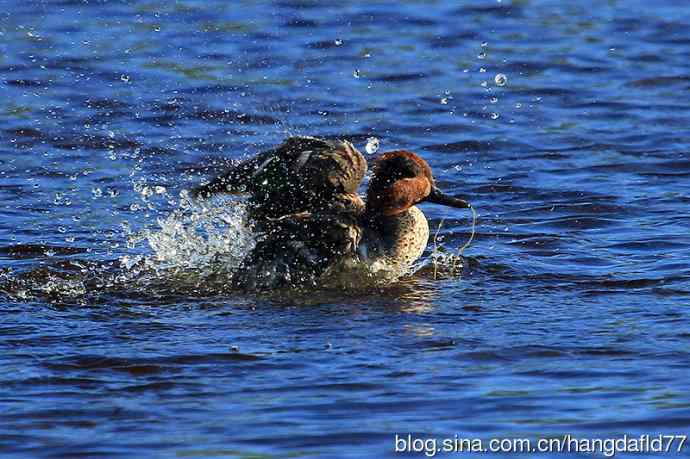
(302,174)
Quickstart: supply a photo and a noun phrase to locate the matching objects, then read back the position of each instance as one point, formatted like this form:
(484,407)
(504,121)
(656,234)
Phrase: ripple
(571,296)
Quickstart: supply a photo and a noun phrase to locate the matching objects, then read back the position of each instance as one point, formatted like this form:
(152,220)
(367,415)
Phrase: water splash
(372,145)
(201,237)
(195,249)
(355,275)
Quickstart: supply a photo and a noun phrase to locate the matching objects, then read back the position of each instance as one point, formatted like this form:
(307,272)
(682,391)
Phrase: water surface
(569,317)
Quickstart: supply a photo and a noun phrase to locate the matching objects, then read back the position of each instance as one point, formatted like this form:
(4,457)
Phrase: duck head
(402,179)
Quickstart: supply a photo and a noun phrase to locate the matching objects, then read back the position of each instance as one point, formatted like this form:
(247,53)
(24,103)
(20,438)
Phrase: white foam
(202,237)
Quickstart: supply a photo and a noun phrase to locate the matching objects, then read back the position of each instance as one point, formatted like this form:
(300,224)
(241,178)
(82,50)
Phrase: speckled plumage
(301,174)
(400,240)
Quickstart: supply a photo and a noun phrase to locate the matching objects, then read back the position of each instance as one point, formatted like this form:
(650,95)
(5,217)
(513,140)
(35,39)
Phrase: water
(569,316)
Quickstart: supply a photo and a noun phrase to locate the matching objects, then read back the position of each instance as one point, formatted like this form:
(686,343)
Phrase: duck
(303,203)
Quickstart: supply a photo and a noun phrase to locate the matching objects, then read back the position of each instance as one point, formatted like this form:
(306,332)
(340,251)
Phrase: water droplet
(146,192)
(338,42)
(444,101)
(484,84)
(493,100)
(62,229)
(482,70)
(159,189)
(494,116)
(96,192)
(124,78)
(157,28)
(372,145)
(484,44)
(356,73)
(481,55)
(501,79)
(518,105)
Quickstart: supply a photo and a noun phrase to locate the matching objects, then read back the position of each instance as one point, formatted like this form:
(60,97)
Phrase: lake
(566,124)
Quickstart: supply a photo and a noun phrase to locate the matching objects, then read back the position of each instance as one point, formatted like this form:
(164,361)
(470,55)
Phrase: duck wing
(297,249)
(301,174)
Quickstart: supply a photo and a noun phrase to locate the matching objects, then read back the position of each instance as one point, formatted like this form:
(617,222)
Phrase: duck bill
(439,197)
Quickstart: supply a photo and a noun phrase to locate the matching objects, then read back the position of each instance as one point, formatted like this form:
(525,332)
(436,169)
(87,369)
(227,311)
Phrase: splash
(443,263)
(372,145)
(195,249)
(356,275)
(201,237)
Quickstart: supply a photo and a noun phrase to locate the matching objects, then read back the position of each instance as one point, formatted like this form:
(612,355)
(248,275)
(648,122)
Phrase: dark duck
(303,201)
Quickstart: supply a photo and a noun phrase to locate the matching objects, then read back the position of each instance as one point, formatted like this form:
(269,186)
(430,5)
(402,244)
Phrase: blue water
(570,316)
